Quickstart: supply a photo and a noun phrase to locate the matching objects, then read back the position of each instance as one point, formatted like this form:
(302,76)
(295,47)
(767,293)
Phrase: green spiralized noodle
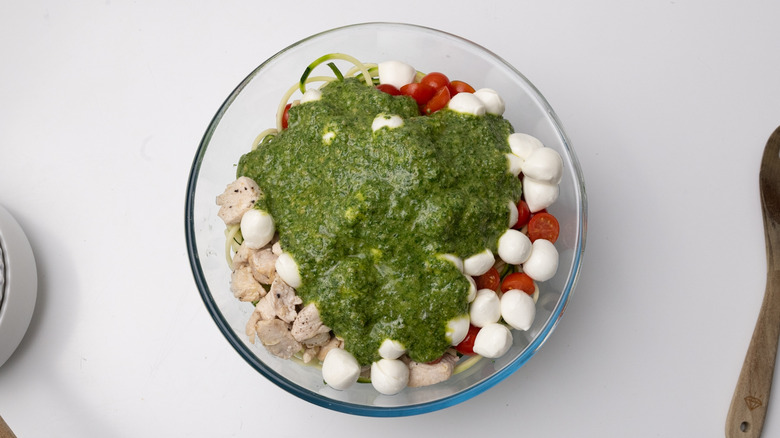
(290,92)
(261,136)
(466,364)
(231,244)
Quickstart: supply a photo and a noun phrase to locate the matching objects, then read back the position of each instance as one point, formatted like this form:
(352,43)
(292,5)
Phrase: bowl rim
(353,408)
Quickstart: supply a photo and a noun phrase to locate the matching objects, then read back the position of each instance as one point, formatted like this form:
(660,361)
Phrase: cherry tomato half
(466,346)
(389,89)
(459,87)
(543,225)
(518,280)
(435,80)
(523,215)
(437,102)
(489,280)
(286,115)
(420,92)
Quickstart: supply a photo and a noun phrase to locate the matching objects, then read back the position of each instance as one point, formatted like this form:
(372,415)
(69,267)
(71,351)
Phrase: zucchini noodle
(260,137)
(466,364)
(231,242)
(288,94)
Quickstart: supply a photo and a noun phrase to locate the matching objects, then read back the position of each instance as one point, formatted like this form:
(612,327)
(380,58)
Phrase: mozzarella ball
(457,328)
(494,104)
(518,309)
(340,369)
(514,164)
(389,376)
(539,195)
(545,165)
(472,288)
(396,73)
(382,121)
(287,269)
(485,308)
(257,227)
(311,95)
(493,340)
(467,103)
(543,262)
(513,214)
(514,247)
(455,260)
(391,349)
(479,263)
(327,137)
(523,145)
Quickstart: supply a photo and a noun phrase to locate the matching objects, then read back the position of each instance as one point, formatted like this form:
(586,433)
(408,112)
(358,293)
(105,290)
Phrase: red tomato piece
(543,225)
(459,87)
(286,115)
(420,92)
(523,214)
(435,80)
(466,346)
(437,102)
(489,280)
(518,280)
(389,89)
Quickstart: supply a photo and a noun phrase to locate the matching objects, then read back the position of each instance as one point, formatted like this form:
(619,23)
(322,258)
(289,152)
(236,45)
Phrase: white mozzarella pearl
(485,308)
(539,195)
(455,260)
(257,227)
(545,165)
(457,328)
(390,122)
(513,214)
(514,164)
(523,144)
(311,95)
(494,104)
(340,369)
(328,137)
(391,349)
(287,269)
(518,309)
(514,247)
(389,376)
(479,263)
(543,262)
(396,73)
(472,288)
(467,103)
(493,340)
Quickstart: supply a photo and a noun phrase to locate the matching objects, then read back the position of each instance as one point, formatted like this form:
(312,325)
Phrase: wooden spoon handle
(751,396)
(5,431)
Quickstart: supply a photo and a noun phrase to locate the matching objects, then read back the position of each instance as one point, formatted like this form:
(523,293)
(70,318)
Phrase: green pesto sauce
(365,214)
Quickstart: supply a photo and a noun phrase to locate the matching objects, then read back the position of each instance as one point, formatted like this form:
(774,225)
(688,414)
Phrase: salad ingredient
(493,340)
(544,165)
(489,280)
(514,247)
(424,374)
(238,198)
(543,225)
(520,281)
(438,101)
(257,227)
(456,87)
(523,215)
(494,104)
(396,73)
(485,309)
(479,263)
(286,116)
(386,121)
(435,80)
(391,349)
(543,262)
(518,309)
(539,195)
(389,376)
(288,270)
(457,329)
(523,145)
(466,346)
(467,103)
(420,92)
(340,369)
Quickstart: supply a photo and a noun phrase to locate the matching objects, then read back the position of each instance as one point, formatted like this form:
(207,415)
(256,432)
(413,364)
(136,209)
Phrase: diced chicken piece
(276,248)
(276,337)
(308,324)
(333,343)
(241,257)
(244,286)
(263,264)
(284,300)
(310,354)
(317,340)
(265,308)
(237,199)
(424,374)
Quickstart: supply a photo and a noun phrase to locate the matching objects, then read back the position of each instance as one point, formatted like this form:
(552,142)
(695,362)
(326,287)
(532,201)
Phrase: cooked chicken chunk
(283,299)
(244,285)
(264,311)
(237,199)
(308,325)
(424,374)
(263,264)
(333,343)
(276,337)
(241,257)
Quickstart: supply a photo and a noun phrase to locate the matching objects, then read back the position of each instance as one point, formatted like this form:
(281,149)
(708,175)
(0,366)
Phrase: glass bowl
(251,108)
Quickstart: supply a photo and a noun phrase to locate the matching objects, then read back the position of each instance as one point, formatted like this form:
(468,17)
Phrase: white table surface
(668,105)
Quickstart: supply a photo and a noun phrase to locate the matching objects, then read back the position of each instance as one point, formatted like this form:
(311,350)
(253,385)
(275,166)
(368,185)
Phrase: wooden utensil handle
(748,406)
(5,431)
